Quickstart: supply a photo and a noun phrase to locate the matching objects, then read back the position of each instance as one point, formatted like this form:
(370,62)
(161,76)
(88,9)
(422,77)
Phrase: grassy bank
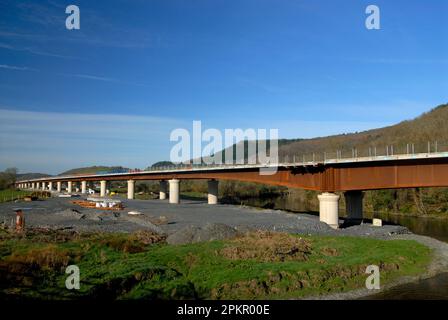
(12,194)
(257,266)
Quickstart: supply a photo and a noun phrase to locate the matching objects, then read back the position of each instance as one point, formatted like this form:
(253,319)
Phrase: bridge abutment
(213,191)
(329,209)
(353,205)
(174,191)
(163,190)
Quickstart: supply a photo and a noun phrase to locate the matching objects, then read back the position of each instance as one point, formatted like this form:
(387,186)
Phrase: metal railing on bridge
(354,154)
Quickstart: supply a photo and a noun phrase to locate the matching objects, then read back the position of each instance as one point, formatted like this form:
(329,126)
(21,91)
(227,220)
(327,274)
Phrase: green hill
(26,176)
(429,127)
(408,135)
(94,169)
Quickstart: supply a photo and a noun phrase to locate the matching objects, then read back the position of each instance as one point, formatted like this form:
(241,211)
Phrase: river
(433,288)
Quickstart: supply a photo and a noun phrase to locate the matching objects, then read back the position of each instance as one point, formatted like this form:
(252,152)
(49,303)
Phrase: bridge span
(351,176)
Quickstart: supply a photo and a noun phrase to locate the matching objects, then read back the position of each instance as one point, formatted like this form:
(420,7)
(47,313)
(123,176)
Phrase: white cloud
(104,79)
(9,67)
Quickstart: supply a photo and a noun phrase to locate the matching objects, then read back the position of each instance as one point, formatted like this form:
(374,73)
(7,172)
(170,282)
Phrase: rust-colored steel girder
(392,175)
(372,175)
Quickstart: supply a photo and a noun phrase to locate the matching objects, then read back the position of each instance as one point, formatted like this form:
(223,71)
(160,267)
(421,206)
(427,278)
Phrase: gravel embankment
(61,213)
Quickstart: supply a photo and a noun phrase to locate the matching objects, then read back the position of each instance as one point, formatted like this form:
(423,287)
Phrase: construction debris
(104,205)
(134,213)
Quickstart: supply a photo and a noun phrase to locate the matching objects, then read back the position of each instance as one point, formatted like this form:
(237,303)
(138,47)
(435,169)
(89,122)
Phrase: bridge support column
(131,188)
(174,191)
(33,185)
(37,185)
(84,187)
(353,205)
(43,186)
(103,184)
(50,186)
(212,192)
(58,186)
(329,209)
(163,190)
(69,186)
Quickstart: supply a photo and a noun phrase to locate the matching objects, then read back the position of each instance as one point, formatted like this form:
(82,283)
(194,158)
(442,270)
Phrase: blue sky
(143,68)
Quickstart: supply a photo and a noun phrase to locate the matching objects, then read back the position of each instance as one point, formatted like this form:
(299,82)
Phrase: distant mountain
(160,164)
(94,170)
(27,176)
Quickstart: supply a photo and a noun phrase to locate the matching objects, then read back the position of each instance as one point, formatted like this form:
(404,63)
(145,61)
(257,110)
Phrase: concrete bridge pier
(163,190)
(33,185)
(83,187)
(37,185)
(103,185)
(174,191)
(50,186)
(131,188)
(69,186)
(43,186)
(212,191)
(353,205)
(58,186)
(329,209)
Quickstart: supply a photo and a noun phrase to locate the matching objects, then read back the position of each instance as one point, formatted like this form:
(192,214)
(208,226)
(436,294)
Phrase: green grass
(120,266)
(12,194)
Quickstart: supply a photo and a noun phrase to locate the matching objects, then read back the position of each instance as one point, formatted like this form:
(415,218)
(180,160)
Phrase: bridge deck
(363,173)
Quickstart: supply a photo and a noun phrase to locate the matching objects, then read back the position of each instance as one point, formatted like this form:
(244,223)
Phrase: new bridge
(350,176)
